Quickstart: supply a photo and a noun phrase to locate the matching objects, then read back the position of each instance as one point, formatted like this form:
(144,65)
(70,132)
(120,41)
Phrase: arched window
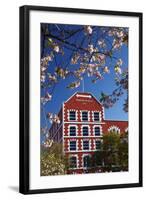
(85,131)
(114,129)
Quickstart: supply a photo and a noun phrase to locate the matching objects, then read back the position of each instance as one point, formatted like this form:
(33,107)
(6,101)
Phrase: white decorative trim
(117,129)
(89,131)
(90,136)
(80,151)
(103,113)
(82,145)
(72,139)
(68,129)
(101,133)
(82,95)
(68,115)
(81,111)
(71,97)
(100,117)
(83,122)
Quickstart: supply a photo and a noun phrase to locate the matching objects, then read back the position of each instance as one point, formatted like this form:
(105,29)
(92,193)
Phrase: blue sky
(107,85)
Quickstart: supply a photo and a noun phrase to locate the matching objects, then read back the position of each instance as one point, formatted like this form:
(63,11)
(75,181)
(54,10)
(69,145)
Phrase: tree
(80,51)
(113,155)
(52,160)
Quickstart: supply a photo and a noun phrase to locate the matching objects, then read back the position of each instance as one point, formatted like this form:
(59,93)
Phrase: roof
(83,94)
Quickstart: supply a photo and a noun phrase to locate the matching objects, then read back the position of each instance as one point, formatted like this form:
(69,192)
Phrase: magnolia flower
(61,72)
(82,69)
(52,77)
(49,58)
(120,34)
(56,119)
(75,58)
(43,77)
(43,69)
(88,30)
(98,75)
(50,116)
(45,99)
(48,143)
(90,48)
(74,85)
(56,48)
(101,43)
(117,44)
(118,69)
(101,58)
(48,96)
(106,69)
(119,62)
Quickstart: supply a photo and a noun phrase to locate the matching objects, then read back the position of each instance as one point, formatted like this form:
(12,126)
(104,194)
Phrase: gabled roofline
(83,92)
(70,97)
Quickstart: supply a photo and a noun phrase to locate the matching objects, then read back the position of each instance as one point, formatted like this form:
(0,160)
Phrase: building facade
(81,128)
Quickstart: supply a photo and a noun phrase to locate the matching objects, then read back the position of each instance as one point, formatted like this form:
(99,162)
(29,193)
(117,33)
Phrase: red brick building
(81,129)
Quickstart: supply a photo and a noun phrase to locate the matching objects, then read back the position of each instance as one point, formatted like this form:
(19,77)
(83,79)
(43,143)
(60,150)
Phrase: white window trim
(84,155)
(114,127)
(68,115)
(89,145)
(69,145)
(99,116)
(68,129)
(101,133)
(81,111)
(88,130)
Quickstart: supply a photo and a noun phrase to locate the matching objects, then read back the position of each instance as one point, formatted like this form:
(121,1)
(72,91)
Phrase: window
(114,129)
(72,115)
(98,145)
(86,161)
(85,131)
(72,131)
(72,145)
(85,145)
(84,116)
(97,131)
(96,116)
(73,162)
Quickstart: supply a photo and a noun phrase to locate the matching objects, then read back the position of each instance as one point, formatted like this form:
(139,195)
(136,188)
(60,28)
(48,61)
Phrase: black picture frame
(25,104)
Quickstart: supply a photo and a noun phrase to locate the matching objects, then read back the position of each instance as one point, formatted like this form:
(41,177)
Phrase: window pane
(72,115)
(73,162)
(85,145)
(84,116)
(72,145)
(72,131)
(96,116)
(97,131)
(85,131)
(86,161)
(98,145)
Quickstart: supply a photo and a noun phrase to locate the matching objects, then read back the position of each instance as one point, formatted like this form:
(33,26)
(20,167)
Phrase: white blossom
(88,30)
